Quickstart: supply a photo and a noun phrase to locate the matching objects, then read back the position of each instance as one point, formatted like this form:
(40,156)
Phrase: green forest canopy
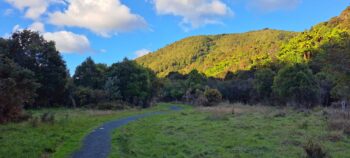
(216,55)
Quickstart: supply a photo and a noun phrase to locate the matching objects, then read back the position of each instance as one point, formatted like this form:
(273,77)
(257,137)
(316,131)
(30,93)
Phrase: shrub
(314,150)
(263,83)
(34,122)
(115,105)
(17,88)
(213,96)
(48,118)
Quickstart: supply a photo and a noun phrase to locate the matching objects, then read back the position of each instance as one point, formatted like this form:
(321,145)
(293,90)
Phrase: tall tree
(31,51)
(91,75)
(263,83)
(17,88)
(297,85)
(135,83)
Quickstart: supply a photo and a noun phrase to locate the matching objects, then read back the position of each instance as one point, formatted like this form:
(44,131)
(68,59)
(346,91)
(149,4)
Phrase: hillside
(215,55)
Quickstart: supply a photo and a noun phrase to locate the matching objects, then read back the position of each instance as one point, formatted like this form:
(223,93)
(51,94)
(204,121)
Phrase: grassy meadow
(223,131)
(58,138)
(234,131)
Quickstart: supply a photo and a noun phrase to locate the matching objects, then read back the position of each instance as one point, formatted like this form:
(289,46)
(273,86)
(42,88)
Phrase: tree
(296,84)
(195,80)
(91,75)
(135,82)
(326,82)
(17,86)
(263,83)
(112,89)
(31,51)
(174,90)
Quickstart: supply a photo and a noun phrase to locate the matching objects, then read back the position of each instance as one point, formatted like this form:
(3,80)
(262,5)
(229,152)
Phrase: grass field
(35,139)
(226,132)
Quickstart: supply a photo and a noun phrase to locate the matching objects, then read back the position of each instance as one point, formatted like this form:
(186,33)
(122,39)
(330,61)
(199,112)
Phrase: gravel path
(98,143)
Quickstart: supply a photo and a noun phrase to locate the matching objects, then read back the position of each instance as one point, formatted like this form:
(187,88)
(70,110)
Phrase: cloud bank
(194,13)
(103,17)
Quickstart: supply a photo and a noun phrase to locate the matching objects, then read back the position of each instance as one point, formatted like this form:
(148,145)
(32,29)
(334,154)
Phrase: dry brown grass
(239,108)
(338,120)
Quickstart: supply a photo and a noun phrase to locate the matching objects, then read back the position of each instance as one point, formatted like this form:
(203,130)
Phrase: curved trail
(98,143)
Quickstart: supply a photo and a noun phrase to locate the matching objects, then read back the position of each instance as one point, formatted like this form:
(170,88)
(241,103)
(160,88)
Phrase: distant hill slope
(215,55)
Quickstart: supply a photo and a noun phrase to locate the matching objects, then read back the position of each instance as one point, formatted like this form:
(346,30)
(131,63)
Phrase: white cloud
(33,8)
(16,28)
(194,13)
(100,16)
(273,5)
(142,52)
(68,42)
(37,26)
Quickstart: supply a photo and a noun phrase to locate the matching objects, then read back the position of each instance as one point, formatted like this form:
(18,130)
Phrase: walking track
(98,143)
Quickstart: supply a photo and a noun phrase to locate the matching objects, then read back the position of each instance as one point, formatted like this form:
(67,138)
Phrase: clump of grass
(34,122)
(280,114)
(124,141)
(314,150)
(347,130)
(217,117)
(48,118)
(338,120)
(304,125)
(334,136)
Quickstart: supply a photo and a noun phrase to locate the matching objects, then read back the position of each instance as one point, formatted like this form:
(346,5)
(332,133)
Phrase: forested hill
(216,55)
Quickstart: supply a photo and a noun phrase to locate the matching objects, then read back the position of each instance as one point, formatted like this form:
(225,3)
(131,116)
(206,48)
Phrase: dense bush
(17,88)
(213,96)
(263,83)
(89,74)
(297,85)
(31,51)
(135,83)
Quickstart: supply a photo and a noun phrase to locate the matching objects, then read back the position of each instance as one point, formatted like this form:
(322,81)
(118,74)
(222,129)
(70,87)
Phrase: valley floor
(226,131)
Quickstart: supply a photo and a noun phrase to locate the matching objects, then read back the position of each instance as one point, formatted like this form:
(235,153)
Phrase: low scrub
(314,150)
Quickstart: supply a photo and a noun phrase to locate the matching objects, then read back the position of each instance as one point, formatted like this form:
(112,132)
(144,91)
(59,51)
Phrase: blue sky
(109,30)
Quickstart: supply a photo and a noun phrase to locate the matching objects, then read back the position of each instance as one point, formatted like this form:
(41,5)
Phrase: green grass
(253,132)
(59,139)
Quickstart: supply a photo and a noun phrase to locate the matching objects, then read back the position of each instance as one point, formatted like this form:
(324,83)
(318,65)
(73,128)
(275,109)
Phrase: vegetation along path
(98,143)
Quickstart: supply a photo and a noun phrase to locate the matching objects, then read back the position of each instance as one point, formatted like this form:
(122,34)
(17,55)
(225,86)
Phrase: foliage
(112,89)
(31,51)
(135,83)
(18,88)
(314,150)
(213,96)
(173,90)
(88,97)
(89,74)
(296,85)
(263,82)
(216,55)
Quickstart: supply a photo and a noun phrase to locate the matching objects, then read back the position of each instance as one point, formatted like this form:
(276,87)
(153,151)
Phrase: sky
(110,30)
